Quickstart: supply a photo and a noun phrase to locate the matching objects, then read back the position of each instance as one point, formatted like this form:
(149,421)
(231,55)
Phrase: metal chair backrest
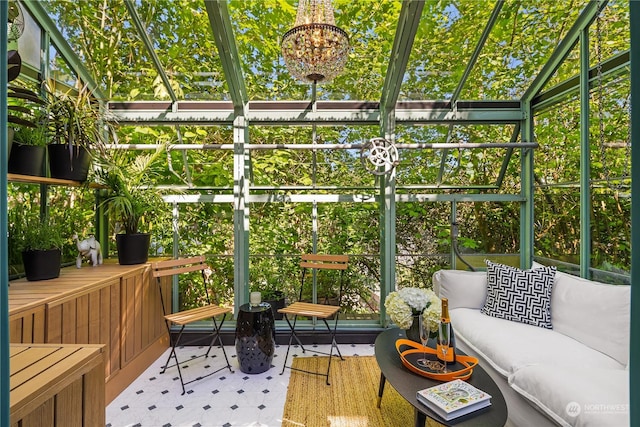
(323,262)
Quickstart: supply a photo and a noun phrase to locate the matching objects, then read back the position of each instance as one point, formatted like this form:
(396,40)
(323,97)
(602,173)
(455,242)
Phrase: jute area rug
(350,400)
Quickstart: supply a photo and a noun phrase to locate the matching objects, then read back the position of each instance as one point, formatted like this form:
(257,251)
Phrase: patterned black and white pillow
(519,295)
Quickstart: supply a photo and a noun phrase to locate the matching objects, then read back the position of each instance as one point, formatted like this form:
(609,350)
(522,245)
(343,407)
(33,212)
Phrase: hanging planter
(26,159)
(69,162)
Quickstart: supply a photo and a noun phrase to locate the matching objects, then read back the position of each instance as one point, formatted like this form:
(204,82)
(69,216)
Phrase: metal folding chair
(310,262)
(183,318)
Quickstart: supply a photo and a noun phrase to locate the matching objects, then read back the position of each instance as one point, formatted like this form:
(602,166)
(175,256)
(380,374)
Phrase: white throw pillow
(596,314)
(519,295)
(576,397)
(463,289)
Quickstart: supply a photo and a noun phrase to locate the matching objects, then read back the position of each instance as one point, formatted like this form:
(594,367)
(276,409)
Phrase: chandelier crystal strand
(315,50)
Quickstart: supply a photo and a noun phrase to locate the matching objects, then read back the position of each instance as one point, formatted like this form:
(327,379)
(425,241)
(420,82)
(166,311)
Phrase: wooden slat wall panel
(68,331)
(96,310)
(68,404)
(139,293)
(82,319)
(27,326)
(54,324)
(128,330)
(114,319)
(42,416)
(94,381)
(148,299)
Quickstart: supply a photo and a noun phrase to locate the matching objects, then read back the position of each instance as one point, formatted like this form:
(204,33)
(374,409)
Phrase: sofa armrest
(464,289)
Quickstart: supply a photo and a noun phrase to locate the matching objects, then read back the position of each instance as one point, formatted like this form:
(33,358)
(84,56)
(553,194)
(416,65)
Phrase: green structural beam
(616,65)
(588,15)
(634,356)
(228,51)
(36,9)
(403,42)
(240,212)
(4,266)
(585,158)
(325,113)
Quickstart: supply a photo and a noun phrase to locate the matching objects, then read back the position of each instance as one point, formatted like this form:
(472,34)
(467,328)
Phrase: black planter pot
(133,248)
(69,162)
(42,265)
(276,303)
(26,159)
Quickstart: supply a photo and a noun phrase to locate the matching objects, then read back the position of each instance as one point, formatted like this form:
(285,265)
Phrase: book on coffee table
(453,399)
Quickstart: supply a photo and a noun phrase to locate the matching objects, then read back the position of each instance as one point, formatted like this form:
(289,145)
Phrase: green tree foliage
(519,45)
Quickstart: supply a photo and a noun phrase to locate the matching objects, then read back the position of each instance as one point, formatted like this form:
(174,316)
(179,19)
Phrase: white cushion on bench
(467,289)
(596,314)
(575,396)
(509,346)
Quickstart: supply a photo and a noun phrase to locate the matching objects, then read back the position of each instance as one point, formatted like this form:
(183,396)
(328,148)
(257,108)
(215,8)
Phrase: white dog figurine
(89,248)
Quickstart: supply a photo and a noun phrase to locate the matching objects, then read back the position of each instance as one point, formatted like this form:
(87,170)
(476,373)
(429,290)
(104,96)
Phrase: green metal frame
(634,356)
(585,157)
(4,267)
(388,113)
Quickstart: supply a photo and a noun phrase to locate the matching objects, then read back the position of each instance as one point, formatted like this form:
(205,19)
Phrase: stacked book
(453,399)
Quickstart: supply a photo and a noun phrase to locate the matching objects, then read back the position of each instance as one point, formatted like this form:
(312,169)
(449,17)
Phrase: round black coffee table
(407,384)
(255,338)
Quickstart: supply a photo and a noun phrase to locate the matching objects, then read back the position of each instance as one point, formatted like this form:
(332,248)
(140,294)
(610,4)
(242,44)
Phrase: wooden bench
(57,385)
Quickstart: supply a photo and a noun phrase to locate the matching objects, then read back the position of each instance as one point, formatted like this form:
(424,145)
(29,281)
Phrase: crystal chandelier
(315,50)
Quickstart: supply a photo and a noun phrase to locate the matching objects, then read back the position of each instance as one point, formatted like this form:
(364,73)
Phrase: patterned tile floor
(223,399)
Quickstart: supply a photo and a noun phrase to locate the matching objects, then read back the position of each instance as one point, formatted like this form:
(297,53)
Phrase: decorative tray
(411,351)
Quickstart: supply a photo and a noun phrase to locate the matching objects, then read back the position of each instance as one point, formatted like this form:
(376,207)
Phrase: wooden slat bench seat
(57,385)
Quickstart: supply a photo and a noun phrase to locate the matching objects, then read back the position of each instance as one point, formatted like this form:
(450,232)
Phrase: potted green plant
(76,124)
(129,199)
(25,112)
(29,149)
(41,245)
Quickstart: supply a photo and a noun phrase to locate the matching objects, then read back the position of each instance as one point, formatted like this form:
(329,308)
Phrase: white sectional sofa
(572,375)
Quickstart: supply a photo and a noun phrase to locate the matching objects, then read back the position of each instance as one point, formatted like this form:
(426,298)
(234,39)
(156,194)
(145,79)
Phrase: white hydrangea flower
(405,303)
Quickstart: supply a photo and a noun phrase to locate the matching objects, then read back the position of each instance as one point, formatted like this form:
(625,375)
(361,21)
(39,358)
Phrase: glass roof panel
(610,34)
(259,27)
(183,40)
(442,48)
(180,34)
(520,44)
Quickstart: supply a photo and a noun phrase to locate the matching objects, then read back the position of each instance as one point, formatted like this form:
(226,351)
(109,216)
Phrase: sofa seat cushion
(573,396)
(509,346)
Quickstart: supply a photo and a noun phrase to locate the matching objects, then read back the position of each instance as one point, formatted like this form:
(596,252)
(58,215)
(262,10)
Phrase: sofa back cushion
(594,313)
(464,289)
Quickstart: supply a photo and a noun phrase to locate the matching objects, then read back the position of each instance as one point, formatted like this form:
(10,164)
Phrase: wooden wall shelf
(30,179)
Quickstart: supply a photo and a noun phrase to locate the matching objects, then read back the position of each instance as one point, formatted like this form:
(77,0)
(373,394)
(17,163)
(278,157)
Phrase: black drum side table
(255,338)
